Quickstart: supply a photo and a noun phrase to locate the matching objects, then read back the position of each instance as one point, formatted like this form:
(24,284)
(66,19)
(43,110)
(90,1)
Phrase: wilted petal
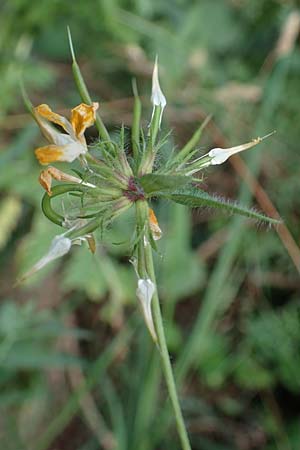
(49,154)
(154,227)
(52,153)
(157,97)
(64,146)
(46,112)
(59,247)
(91,243)
(52,134)
(82,117)
(46,176)
(144,292)
(45,180)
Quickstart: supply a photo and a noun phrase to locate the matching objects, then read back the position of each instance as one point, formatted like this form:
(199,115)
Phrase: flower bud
(144,292)
(157,97)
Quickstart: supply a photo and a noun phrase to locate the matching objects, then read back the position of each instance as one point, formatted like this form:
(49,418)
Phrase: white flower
(219,155)
(144,292)
(59,247)
(157,97)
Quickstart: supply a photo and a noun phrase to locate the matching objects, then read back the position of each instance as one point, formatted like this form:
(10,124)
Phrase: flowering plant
(112,179)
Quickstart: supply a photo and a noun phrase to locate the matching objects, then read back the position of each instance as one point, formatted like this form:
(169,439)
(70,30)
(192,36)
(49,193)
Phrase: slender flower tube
(144,292)
(64,146)
(218,156)
(157,97)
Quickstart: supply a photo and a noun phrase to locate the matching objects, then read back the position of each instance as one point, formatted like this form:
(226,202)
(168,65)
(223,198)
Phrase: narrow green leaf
(135,131)
(83,90)
(152,183)
(154,125)
(191,144)
(195,197)
(26,99)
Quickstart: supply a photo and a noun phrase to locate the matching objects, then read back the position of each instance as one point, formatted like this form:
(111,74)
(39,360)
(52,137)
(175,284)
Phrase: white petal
(59,247)
(157,97)
(53,135)
(70,152)
(144,292)
(220,155)
(62,138)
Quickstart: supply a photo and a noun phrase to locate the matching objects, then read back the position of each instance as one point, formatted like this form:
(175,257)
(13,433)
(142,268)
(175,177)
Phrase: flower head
(64,146)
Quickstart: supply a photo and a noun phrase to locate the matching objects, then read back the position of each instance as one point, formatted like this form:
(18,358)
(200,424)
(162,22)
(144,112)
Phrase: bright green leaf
(152,183)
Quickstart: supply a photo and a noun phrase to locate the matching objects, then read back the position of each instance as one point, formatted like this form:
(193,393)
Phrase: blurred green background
(78,369)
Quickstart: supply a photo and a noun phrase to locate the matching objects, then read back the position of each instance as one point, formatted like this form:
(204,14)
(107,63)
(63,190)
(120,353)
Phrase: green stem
(135,130)
(83,91)
(146,251)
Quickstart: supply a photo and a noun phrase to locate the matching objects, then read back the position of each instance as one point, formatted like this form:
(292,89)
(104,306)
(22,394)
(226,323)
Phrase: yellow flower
(64,146)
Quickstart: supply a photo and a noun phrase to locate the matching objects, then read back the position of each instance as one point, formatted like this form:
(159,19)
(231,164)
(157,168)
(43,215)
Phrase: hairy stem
(145,250)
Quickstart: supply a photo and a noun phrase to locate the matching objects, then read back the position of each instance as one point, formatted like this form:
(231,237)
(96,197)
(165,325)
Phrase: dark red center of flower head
(134,191)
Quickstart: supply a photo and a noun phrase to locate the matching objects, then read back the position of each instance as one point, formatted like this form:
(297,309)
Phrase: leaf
(152,183)
(195,197)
